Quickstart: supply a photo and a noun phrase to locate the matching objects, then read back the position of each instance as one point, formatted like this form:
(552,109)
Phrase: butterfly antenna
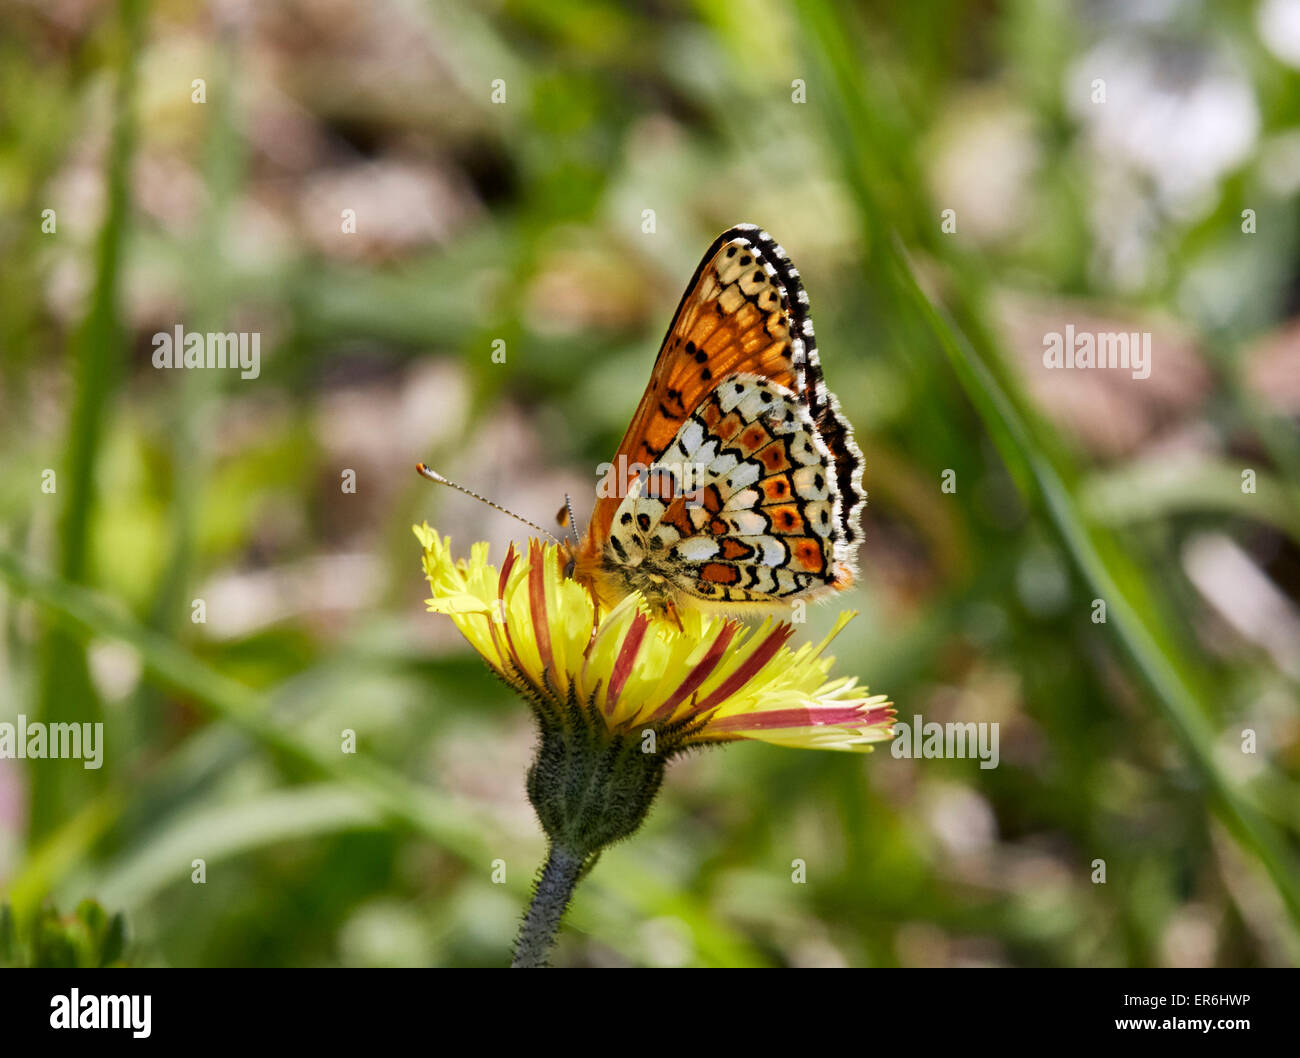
(573,525)
(433,475)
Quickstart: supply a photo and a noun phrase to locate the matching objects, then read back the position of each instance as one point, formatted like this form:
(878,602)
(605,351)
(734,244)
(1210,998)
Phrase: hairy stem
(550,899)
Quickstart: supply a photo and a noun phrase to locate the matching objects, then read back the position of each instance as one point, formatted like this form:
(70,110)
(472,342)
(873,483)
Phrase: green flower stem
(590,787)
(550,899)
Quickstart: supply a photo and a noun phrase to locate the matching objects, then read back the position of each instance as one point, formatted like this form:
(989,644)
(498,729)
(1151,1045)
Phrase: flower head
(709,680)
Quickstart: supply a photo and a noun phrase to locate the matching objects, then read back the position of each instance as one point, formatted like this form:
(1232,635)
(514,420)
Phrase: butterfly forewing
(729,320)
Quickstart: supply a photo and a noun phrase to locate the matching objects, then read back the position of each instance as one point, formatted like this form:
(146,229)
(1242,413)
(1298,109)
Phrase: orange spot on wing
(719,573)
(677,517)
(806,555)
(753,439)
(786,518)
(774,459)
(776,489)
(733,549)
(728,427)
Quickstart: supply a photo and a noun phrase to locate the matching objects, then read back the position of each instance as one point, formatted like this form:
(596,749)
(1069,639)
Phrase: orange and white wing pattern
(755,522)
(750,484)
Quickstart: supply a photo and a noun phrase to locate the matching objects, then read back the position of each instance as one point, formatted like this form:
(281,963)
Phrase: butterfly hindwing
(740,508)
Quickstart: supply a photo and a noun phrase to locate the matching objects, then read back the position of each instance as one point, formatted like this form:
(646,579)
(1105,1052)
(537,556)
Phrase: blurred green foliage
(524,222)
(84,940)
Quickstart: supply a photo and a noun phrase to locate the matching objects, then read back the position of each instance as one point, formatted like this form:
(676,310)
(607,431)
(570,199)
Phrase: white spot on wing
(696,549)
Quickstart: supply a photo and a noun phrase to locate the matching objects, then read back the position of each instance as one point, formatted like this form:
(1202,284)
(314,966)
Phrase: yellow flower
(710,680)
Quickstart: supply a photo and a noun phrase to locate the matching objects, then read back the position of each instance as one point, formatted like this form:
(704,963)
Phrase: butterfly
(738,485)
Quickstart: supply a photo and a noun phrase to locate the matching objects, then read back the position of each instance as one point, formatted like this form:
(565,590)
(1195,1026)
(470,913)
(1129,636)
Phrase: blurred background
(1109,166)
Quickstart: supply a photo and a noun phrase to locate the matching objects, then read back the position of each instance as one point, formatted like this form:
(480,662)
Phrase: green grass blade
(66,693)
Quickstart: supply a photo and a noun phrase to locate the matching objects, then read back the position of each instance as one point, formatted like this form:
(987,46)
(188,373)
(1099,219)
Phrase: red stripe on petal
(514,654)
(764,653)
(702,671)
(505,650)
(882,714)
(626,659)
(499,617)
(537,603)
(512,556)
(595,630)
(799,717)
(504,622)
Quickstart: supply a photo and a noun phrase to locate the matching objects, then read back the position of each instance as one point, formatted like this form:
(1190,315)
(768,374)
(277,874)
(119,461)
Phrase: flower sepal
(591,786)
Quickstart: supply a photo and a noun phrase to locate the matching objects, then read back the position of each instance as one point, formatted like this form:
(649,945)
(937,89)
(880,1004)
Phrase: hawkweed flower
(618,693)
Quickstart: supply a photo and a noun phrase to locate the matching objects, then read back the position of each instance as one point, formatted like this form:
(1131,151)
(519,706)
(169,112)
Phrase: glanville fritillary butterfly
(738,485)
